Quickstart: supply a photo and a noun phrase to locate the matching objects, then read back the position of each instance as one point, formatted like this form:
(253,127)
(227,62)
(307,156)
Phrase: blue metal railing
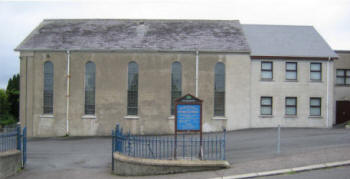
(188,146)
(10,139)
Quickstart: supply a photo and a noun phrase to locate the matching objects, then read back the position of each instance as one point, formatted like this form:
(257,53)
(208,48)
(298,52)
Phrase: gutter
(135,50)
(67,93)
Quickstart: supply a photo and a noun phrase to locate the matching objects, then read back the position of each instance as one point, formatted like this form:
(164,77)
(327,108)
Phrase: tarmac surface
(251,150)
(335,173)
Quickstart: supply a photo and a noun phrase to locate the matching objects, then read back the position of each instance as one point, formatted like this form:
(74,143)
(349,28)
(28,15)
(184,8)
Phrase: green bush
(4,106)
(7,119)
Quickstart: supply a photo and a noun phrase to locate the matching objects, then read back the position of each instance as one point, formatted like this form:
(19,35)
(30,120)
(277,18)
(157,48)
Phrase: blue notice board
(188,117)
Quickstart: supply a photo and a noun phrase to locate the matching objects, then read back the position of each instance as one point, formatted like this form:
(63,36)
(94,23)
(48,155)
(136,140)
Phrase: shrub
(7,119)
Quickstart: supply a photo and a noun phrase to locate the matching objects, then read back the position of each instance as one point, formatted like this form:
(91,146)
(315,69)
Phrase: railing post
(129,144)
(24,149)
(278,139)
(113,148)
(183,146)
(224,141)
(18,137)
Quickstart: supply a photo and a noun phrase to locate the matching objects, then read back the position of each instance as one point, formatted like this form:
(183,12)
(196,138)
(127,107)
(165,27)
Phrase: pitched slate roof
(144,35)
(286,41)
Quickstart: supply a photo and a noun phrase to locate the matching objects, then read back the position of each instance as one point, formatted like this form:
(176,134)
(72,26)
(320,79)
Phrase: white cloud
(331,18)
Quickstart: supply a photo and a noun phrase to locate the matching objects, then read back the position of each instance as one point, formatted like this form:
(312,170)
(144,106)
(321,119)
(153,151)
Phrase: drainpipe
(26,104)
(68,79)
(197,61)
(327,110)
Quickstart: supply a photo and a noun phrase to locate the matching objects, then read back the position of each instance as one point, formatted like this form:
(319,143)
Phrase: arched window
(219,90)
(133,80)
(48,88)
(90,84)
(176,81)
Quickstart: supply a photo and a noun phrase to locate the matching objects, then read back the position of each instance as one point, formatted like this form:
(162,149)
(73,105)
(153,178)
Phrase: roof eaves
(130,50)
(29,36)
(293,57)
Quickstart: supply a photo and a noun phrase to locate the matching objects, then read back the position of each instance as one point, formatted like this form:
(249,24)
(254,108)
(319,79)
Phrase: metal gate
(24,148)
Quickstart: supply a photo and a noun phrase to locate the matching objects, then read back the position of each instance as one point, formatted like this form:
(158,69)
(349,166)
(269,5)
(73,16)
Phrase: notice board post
(188,118)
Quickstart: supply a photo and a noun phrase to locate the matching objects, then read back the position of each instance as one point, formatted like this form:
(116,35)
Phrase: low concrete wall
(10,163)
(131,166)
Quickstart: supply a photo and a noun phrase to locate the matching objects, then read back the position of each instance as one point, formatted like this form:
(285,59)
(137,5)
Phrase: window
(90,73)
(315,71)
(133,80)
(48,88)
(266,70)
(315,106)
(291,71)
(343,77)
(266,105)
(219,90)
(176,80)
(291,106)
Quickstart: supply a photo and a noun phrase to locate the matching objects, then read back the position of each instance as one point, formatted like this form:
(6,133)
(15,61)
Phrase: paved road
(253,144)
(332,173)
(90,157)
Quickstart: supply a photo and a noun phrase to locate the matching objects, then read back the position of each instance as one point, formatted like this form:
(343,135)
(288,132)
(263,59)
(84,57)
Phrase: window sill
(219,118)
(131,117)
(290,80)
(342,85)
(47,116)
(315,117)
(290,116)
(266,116)
(172,117)
(266,80)
(88,117)
(315,81)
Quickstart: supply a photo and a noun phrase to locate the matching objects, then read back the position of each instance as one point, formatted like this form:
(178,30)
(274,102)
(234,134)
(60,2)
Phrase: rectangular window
(315,106)
(266,71)
(316,71)
(343,77)
(291,106)
(291,71)
(266,105)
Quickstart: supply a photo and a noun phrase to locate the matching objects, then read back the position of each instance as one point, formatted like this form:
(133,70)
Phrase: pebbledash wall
(303,89)
(243,91)
(342,92)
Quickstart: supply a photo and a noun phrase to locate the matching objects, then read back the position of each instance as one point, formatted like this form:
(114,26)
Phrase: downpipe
(197,63)
(328,85)
(67,93)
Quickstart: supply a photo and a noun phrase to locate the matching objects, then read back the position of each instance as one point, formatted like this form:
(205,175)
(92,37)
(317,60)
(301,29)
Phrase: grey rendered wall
(238,76)
(303,89)
(111,91)
(31,98)
(236,91)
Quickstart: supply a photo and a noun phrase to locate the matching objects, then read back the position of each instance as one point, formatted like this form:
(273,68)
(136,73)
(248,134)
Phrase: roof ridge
(124,34)
(277,25)
(126,19)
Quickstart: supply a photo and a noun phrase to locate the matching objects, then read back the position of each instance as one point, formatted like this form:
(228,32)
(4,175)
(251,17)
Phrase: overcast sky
(331,18)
